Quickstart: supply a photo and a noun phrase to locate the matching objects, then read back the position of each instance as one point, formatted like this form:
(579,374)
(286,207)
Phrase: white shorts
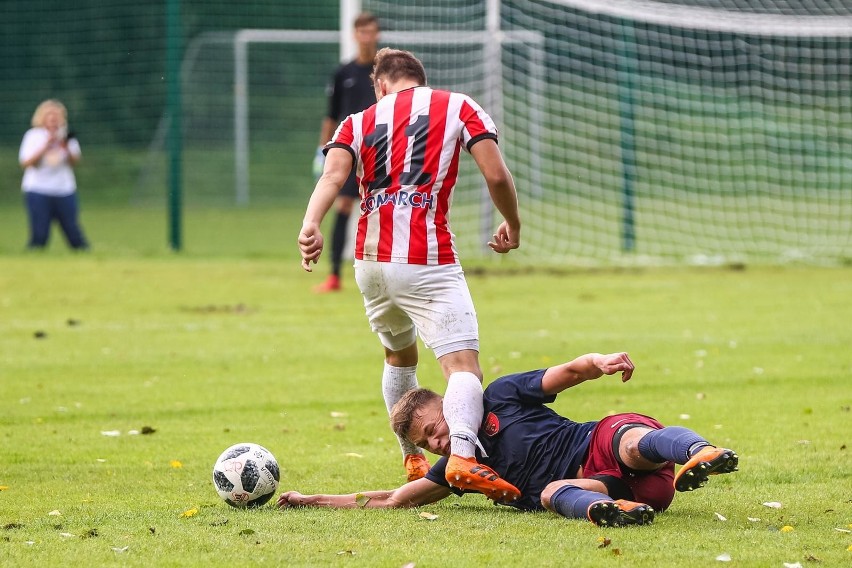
(432,300)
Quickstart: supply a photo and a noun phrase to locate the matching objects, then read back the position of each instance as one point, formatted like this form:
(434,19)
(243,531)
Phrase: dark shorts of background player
(350,187)
(654,488)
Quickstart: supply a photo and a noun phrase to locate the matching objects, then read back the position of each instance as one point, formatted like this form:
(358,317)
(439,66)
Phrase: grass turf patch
(210,350)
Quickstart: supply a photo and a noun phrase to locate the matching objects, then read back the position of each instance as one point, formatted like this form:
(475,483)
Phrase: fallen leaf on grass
(787,528)
(119,550)
(220,523)
(11,526)
(724,557)
(335,414)
(720,517)
(838,529)
(773,505)
(428,516)
(616,551)
(4,487)
(66,535)
(176,464)
(792,565)
(347,552)
(603,542)
(147,430)
(246,532)
(91,533)
(111,433)
(353,455)
(361,500)
(753,519)
(189,513)
(54,513)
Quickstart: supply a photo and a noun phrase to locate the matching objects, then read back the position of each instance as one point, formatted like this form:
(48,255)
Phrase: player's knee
(549,491)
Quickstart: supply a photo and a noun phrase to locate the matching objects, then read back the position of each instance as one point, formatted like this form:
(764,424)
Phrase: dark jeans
(42,209)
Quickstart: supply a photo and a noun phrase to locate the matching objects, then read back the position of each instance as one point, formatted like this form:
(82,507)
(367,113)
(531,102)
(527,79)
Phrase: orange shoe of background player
(417,466)
(620,513)
(706,462)
(468,474)
(331,284)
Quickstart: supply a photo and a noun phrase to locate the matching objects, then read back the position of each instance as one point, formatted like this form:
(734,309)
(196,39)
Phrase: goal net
(638,132)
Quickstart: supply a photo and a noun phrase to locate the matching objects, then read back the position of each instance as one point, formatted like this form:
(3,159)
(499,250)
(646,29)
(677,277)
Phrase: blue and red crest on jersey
(491,425)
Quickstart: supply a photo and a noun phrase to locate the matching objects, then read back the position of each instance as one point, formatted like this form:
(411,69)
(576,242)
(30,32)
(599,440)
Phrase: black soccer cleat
(620,513)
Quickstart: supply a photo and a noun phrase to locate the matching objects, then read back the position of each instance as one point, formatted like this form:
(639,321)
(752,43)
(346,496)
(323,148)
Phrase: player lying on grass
(615,471)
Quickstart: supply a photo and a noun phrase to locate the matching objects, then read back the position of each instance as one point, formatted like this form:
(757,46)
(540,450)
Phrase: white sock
(395,382)
(463,412)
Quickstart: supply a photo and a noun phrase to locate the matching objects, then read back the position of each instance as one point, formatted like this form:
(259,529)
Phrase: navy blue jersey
(351,90)
(527,443)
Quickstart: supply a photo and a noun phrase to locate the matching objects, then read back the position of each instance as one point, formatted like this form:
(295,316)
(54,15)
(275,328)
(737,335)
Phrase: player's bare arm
(338,164)
(586,368)
(412,494)
(501,187)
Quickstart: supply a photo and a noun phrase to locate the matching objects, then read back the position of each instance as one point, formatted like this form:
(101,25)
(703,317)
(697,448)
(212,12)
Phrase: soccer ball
(246,475)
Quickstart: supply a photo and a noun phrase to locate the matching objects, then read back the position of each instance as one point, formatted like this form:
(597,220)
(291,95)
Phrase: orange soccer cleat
(417,466)
(620,513)
(468,474)
(706,462)
(331,284)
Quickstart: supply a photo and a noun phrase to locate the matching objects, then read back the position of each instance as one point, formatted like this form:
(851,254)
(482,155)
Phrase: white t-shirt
(52,174)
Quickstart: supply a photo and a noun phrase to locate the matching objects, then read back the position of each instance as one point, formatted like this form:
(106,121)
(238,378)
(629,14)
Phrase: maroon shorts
(654,488)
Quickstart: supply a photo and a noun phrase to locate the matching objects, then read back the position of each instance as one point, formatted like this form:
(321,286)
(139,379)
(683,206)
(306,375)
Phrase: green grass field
(225,343)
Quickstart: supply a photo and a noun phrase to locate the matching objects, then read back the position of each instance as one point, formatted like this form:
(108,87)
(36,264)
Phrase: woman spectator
(48,155)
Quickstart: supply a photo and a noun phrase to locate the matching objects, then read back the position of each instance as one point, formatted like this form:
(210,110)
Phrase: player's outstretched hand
(290,499)
(310,245)
(613,363)
(505,239)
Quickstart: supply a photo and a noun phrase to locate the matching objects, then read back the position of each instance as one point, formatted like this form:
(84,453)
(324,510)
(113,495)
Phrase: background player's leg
(343,205)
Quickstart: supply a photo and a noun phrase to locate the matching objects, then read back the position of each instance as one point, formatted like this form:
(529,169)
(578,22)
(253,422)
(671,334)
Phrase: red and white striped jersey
(406,151)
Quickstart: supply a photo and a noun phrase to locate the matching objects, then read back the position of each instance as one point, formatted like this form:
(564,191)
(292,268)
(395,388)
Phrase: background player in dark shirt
(615,471)
(351,91)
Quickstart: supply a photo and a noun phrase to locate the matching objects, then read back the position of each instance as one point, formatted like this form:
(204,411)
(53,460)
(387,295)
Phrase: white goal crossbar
(716,20)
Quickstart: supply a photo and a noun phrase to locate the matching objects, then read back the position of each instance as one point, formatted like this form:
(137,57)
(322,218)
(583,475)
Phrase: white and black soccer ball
(246,475)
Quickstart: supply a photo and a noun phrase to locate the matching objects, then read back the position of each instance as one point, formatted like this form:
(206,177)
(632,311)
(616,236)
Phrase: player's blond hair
(407,408)
(45,107)
(395,64)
